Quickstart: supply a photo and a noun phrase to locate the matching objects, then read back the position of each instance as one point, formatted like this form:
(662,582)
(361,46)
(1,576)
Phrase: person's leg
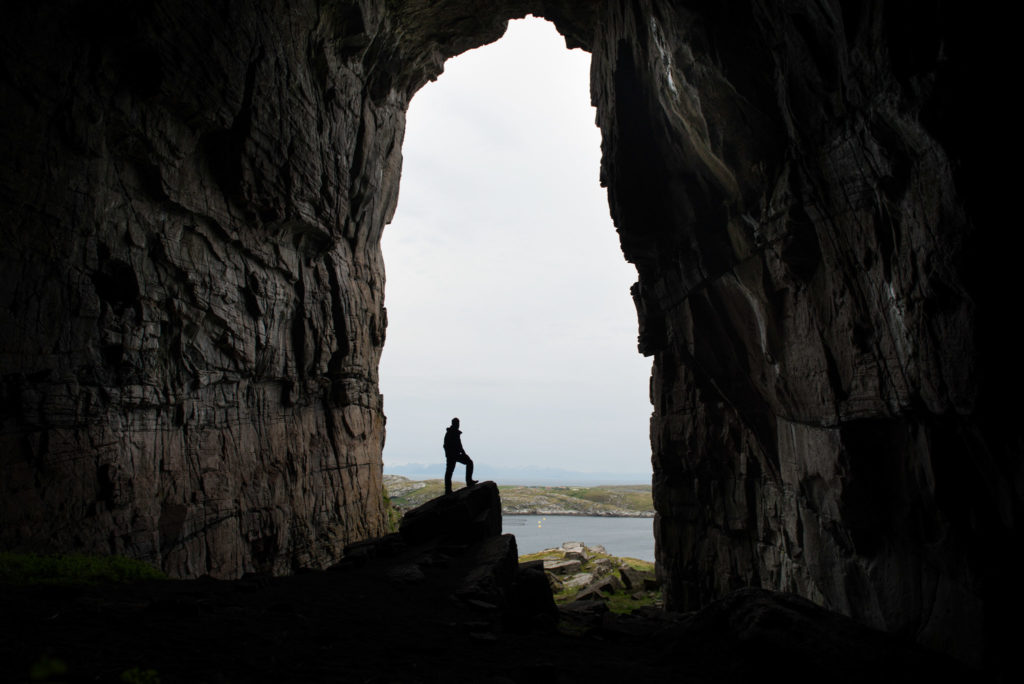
(469,471)
(449,468)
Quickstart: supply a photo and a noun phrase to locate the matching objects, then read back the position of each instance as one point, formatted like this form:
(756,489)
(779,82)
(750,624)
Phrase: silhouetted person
(454,453)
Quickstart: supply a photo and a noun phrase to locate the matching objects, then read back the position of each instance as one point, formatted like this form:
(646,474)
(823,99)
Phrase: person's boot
(470,483)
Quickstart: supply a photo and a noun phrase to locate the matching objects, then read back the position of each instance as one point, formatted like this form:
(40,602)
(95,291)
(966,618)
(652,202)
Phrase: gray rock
(578,580)
(562,567)
(577,548)
(599,588)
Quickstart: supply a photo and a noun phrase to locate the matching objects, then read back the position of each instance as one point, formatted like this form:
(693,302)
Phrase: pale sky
(507,292)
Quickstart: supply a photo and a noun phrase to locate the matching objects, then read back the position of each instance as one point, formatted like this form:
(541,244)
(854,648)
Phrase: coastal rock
(575,551)
(191,287)
(562,567)
(580,579)
(597,589)
(632,579)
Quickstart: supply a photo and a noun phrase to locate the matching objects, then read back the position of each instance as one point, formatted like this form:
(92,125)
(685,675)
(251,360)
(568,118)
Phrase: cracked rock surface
(191,287)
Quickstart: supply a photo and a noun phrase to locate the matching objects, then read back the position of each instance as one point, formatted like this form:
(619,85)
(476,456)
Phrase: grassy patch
(515,499)
(634,498)
(394,517)
(622,602)
(70,569)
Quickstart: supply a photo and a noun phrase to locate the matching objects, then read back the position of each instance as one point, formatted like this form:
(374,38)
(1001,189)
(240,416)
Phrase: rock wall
(192,292)
(191,287)
(795,184)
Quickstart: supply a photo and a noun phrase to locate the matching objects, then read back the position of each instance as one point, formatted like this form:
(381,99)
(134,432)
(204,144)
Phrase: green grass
(637,498)
(394,517)
(26,569)
(517,499)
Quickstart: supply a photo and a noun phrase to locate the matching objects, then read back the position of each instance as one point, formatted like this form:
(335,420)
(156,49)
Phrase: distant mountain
(526,476)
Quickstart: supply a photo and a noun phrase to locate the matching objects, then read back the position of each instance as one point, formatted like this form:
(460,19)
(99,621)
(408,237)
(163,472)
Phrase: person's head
(455,422)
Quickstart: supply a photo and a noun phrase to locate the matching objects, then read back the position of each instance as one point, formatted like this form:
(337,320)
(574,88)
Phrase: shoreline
(575,514)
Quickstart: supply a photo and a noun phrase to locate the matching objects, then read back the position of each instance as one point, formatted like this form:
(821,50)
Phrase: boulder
(577,550)
(597,589)
(531,603)
(579,580)
(562,567)
(601,566)
(494,563)
(631,579)
(466,516)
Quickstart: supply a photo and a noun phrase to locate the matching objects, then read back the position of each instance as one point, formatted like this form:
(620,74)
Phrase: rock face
(791,183)
(191,286)
(192,291)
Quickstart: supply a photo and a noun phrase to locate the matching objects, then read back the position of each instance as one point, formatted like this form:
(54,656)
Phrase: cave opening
(508,295)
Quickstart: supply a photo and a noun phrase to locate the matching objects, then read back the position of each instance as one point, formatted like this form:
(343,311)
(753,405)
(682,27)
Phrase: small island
(626,501)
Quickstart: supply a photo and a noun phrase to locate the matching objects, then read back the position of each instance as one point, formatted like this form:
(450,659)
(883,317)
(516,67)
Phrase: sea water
(624,537)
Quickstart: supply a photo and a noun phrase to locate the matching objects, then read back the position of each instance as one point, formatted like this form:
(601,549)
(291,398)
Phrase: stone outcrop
(460,536)
(467,513)
(191,286)
(191,289)
(791,182)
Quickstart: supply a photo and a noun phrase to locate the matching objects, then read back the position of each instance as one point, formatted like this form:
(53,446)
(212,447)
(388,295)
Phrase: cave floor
(369,623)
(351,625)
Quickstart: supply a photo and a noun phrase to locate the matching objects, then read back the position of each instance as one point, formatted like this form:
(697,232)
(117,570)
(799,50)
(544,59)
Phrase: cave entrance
(508,295)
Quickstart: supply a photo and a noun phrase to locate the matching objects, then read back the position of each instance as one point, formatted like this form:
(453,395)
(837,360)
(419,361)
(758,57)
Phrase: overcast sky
(507,293)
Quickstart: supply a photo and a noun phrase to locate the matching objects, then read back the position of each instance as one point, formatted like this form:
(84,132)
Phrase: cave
(191,290)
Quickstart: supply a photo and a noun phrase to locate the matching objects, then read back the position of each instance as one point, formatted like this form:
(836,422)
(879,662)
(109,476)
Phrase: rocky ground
(445,600)
(627,501)
(579,573)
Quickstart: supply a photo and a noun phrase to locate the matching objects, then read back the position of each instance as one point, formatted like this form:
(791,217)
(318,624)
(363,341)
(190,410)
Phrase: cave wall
(796,185)
(191,283)
(191,286)
(192,292)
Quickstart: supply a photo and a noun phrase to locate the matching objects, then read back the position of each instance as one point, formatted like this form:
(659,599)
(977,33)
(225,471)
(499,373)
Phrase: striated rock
(784,178)
(191,296)
(191,287)
(562,567)
(575,551)
(578,580)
